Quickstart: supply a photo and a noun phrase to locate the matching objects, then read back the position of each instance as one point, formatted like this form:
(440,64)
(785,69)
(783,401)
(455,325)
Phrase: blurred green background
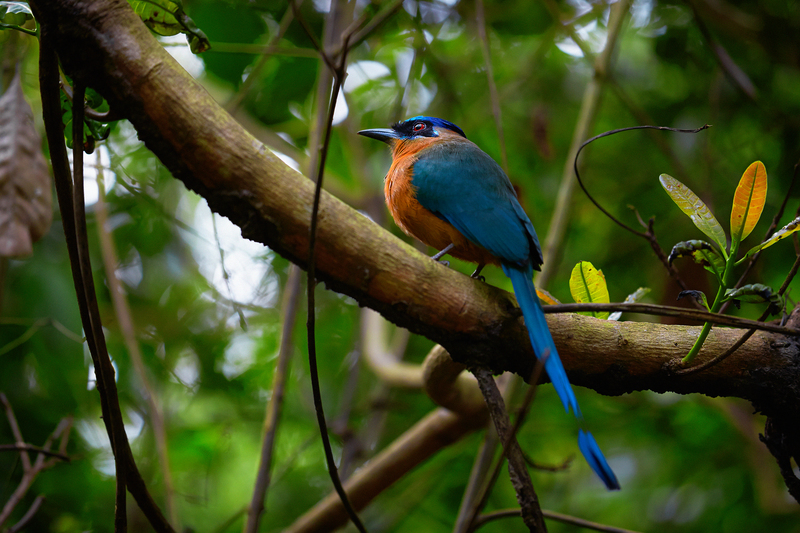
(686,463)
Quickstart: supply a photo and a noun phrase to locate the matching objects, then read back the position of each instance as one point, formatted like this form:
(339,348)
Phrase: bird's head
(413,128)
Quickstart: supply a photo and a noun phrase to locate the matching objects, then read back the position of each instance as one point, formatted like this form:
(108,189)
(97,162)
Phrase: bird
(443,190)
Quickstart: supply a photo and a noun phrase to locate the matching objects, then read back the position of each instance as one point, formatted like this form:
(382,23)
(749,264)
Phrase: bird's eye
(419,126)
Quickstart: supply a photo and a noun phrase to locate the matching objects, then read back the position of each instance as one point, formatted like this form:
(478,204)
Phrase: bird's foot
(445,263)
(477,274)
(440,253)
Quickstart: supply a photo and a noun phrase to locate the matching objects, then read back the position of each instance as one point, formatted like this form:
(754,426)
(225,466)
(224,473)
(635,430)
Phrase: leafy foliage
(748,203)
(93,130)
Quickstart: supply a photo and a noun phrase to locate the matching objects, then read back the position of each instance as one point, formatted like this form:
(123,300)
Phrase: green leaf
(166,17)
(700,296)
(15,8)
(779,235)
(695,208)
(635,296)
(703,254)
(757,293)
(93,130)
(14,14)
(588,285)
(748,201)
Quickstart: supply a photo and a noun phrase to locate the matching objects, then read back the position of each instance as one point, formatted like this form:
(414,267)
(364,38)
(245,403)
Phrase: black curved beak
(386,135)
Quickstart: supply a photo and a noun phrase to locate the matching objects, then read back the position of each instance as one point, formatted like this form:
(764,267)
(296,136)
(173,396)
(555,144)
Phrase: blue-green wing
(464,186)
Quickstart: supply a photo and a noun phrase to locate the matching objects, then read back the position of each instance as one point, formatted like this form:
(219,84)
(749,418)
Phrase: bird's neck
(406,149)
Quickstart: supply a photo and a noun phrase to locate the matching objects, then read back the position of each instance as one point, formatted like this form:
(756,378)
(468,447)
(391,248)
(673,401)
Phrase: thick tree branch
(104,44)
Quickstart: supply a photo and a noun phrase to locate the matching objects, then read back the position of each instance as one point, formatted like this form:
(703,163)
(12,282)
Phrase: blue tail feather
(542,342)
(591,451)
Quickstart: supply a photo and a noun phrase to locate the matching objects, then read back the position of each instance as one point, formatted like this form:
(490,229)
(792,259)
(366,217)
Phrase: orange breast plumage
(416,220)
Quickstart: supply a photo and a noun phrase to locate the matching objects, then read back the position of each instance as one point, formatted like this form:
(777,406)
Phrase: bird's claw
(445,263)
(477,274)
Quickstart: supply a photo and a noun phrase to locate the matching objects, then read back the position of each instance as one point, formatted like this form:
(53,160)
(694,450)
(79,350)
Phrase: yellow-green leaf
(588,285)
(748,201)
(781,234)
(695,208)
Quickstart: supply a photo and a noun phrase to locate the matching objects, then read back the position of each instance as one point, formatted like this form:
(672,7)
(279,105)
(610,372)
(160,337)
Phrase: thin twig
(225,276)
(35,326)
(732,71)
(482,498)
(347,34)
(22,339)
(338,73)
(307,29)
(530,395)
(273,411)
(356,38)
(480,480)
(265,50)
(109,401)
(28,515)
(718,359)
(225,526)
(24,447)
(351,446)
(62,432)
(105,374)
(122,310)
(614,132)
(517,469)
(648,235)
(665,310)
(15,431)
(30,470)
(589,108)
(495,100)
(522,413)
(568,28)
(268,51)
(790,276)
(565,464)
(420,44)
(558,517)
